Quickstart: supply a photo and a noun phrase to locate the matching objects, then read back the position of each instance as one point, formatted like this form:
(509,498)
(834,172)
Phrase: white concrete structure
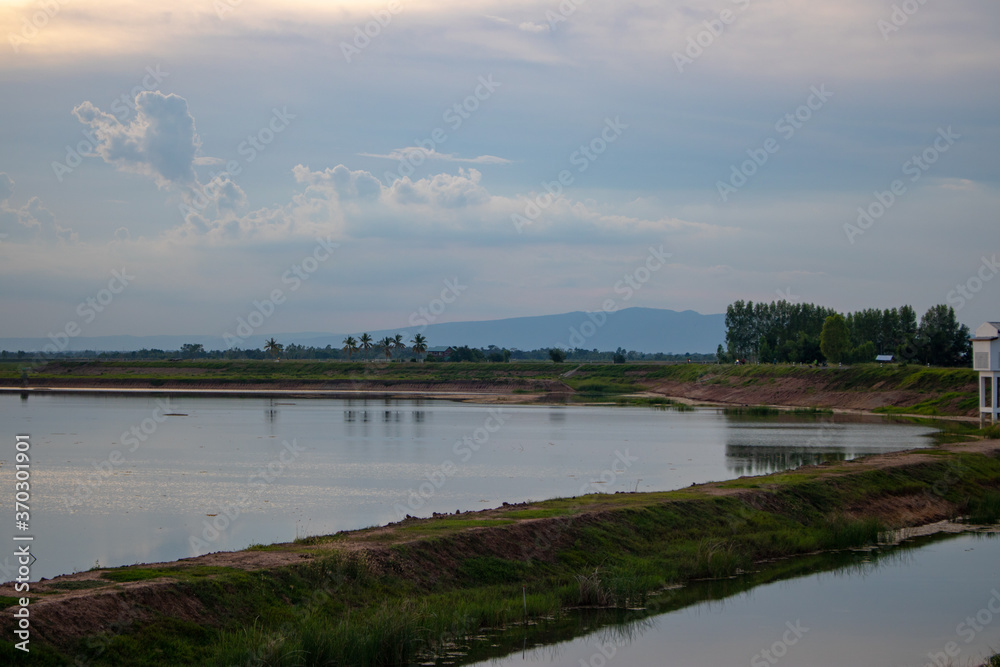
(986,360)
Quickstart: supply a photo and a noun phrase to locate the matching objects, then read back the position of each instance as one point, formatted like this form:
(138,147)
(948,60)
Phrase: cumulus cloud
(442,190)
(412,153)
(30,221)
(350,203)
(161,141)
(346,183)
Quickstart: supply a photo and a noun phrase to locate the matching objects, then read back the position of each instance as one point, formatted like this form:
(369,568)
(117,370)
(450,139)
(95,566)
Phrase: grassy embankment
(893,389)
(388,596)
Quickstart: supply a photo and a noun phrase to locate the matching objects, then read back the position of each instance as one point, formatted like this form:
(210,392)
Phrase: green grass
(441,525)
(752,411)
(133,573)
(393,604)
(941,404)
(78,585)
(600,386)
(985,509)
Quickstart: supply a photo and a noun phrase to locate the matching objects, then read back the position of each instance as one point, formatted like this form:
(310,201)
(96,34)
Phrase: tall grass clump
(717,559)
(621,589)
(752,411)
(985,510)
(388,635)
(843,533)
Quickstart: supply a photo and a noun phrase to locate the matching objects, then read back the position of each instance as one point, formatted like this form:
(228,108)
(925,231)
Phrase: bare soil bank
(925,391)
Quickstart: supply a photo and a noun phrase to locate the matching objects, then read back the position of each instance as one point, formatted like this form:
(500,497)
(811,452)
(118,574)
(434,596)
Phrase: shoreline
(479,397)
(544,545)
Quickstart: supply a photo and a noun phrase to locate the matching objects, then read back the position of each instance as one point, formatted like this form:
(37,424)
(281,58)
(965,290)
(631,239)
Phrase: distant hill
(640,329)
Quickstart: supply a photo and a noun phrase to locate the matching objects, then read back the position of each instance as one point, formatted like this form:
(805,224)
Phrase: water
(935,605)
(115,481)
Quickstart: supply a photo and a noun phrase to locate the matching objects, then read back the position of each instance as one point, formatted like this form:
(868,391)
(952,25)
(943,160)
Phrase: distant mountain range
(640,329)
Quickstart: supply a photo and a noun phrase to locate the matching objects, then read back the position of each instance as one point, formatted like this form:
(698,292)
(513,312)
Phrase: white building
(986,360)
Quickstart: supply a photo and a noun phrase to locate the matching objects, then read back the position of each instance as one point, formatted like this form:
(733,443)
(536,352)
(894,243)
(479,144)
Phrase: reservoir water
(932,605)
(121,479)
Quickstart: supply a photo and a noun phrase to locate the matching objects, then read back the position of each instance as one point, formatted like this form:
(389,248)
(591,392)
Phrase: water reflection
(892,605)
(360,457)
(762,460)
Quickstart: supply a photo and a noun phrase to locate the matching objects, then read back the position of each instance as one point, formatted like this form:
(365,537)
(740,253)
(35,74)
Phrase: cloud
(161,141)
(410,153)
(346,183)
(31,220)
(441,190)
(529,26)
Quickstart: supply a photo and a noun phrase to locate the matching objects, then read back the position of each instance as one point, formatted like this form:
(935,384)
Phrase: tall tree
(419,344)
(941,340)
(366,343)
(192,350)
(273,347)
(350,346)
(398,345)
(388,345)
(833,339)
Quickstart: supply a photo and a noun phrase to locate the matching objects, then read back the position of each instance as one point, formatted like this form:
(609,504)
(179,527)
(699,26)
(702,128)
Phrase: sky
(173,167)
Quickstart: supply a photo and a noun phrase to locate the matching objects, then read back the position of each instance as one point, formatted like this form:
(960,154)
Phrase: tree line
(356,350)
(781,331)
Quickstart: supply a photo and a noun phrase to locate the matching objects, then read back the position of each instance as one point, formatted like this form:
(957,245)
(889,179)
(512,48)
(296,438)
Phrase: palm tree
(350,346)
(273,347)
(366,343)
(419,344)
(398,344)
(387,344)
